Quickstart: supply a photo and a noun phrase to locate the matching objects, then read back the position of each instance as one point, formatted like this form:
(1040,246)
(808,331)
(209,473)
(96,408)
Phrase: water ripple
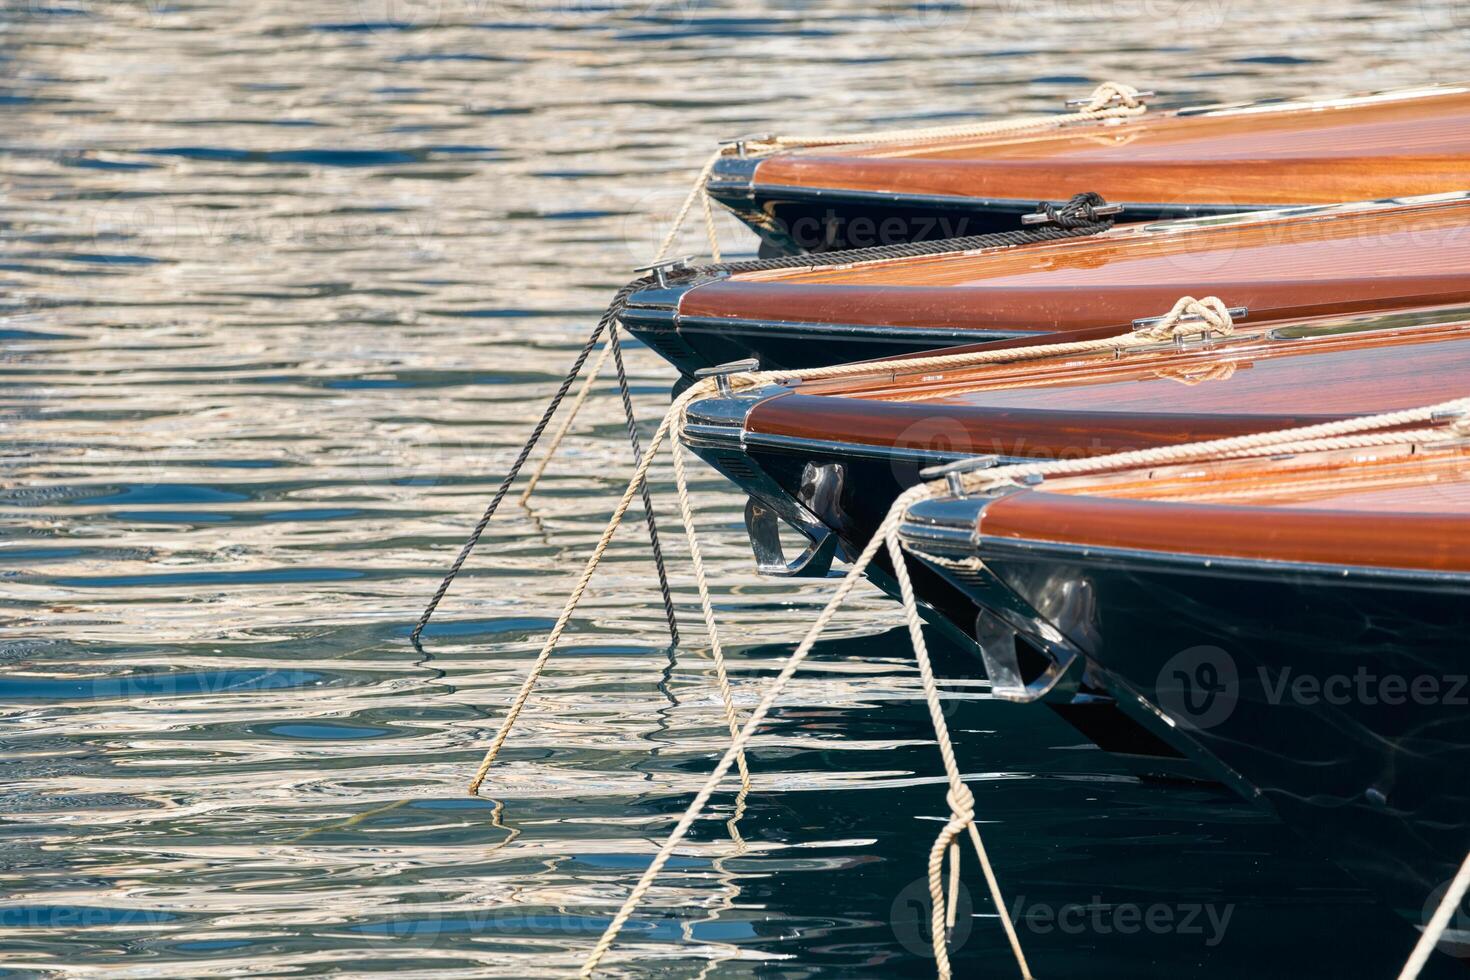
(283,287)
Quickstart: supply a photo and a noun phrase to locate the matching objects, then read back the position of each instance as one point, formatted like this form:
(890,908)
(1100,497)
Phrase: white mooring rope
(1110,100)
(1211,313)
(1188,316)
(1213,318)
(1344,434)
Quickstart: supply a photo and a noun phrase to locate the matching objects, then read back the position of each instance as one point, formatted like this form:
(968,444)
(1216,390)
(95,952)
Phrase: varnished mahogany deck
(1405,507)
(1288,374)
(1392,145)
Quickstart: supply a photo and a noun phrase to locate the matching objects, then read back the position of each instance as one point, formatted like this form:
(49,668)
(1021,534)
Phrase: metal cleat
(1042,218)
(661,270)
(952,472)
(1141,96)
(1237,313)
(739,142)
(721,372)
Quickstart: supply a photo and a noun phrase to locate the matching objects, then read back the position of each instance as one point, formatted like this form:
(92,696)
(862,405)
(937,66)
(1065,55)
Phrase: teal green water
(282,287)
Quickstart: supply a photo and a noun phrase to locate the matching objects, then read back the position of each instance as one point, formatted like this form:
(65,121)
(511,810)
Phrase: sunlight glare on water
(284,285)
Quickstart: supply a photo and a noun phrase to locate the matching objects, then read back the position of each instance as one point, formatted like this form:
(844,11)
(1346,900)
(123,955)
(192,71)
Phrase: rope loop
(961,802)
(1115,95)
(1190,316)
(1079,212)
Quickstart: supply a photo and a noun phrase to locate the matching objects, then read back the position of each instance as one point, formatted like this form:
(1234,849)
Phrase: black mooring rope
(658,551)
(1074,219)
(525,453)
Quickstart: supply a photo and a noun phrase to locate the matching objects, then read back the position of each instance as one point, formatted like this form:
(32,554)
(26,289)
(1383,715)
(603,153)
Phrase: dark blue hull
(1338,699)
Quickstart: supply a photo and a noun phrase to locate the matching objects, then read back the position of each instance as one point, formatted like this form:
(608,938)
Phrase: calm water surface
(282,286)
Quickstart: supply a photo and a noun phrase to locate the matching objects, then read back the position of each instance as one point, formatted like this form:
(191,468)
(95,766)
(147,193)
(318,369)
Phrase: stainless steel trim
(997,639)
(1332,102)
(1377,320)
(733,176)
(722,417)
(1276,213)
(833,447)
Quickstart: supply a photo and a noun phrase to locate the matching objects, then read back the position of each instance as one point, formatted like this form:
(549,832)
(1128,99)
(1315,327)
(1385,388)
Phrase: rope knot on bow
(1078,212)
(1115,95)
(1191,316)
(961,803)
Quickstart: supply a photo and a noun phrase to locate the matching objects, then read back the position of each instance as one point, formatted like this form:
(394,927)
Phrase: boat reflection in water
(826,460)
(1192,162)
(1316,261)
(1296,624)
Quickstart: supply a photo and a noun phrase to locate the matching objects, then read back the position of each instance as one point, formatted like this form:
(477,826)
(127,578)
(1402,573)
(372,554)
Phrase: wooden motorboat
(1277,264)
(1191,162)
(1296,624)
(827,459)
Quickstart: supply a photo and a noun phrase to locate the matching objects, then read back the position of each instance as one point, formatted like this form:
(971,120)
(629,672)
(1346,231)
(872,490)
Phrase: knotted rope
(1110,100)
(1452,415)
(961,801)
(1212,316)
(1076,213)
(1211,312)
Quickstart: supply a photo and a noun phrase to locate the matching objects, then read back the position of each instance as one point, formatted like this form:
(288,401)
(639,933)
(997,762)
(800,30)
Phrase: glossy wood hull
(1160,165)
(876,433)
(1293,373)
(1297,626)
(1282,265)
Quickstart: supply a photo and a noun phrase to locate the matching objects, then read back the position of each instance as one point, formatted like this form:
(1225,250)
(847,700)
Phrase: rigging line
(1082,221)
(653,540)
(1211,312)
(515,469)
